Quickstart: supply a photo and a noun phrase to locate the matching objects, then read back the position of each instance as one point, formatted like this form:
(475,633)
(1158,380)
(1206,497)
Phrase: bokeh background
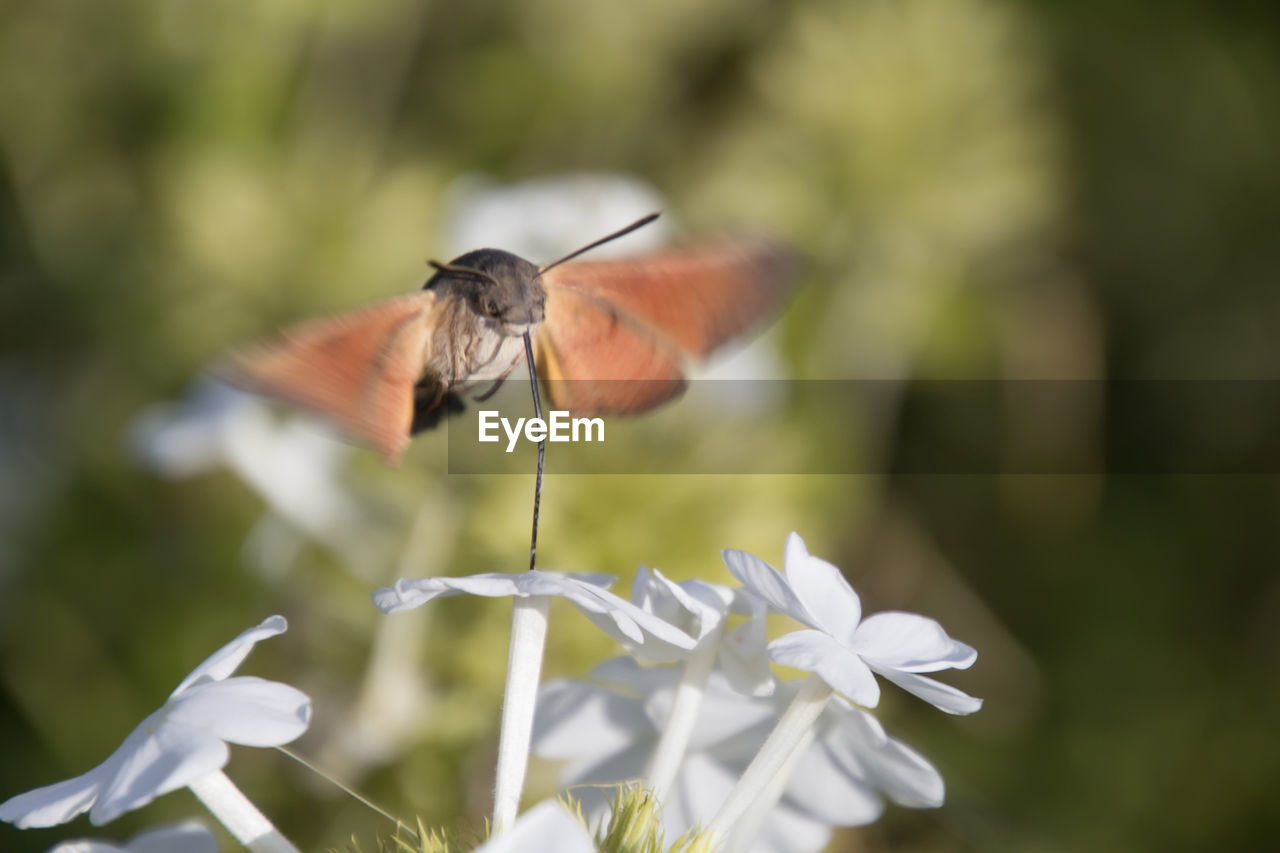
(984,189)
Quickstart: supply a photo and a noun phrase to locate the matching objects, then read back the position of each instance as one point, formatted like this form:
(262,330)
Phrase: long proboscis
(639,223)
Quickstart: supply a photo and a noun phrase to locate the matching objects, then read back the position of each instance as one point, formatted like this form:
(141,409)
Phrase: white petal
(744,661)
(907,777)
(788,830)
(817,652)
(577,720)
(56,803)
(224,661)
(644,590)
(546,828)
(742,656)
(824,592)
(944,697)
(910,642)
(765,581)
(88,845)
(723,715)
(625,675)
(598,775)
(822,789)
(410,593)
(654,639)
(700,787)
(244,710)
(681,605)
(156,763)
(860,745)
(594,782)
(721,599)
(188,837)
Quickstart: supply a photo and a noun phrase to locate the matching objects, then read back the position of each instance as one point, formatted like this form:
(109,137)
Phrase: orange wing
(359,368)
(621,331)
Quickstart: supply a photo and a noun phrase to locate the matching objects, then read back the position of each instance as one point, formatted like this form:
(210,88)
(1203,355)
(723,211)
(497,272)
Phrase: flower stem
(684,713)
(524,665)
(761,775)
(240,816)
(746,829)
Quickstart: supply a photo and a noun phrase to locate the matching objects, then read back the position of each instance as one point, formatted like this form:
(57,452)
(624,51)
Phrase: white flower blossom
(533,591)
(606,731)
(843,648)
(701,610)
(179,744)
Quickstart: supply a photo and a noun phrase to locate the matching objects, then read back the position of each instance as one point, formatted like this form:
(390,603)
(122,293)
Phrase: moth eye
(490,306)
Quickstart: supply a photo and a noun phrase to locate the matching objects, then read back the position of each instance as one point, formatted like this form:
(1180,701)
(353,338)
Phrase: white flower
(617,617)
(843,648)
(606,731)
(189,837)
(545,828)
(701,609)
(181,743)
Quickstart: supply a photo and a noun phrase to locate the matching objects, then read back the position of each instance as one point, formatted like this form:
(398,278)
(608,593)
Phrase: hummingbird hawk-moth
(620,330)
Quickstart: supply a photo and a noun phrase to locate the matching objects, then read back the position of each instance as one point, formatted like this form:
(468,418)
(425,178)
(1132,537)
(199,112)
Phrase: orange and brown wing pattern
(622,330)
(594,359)
(698,300)
(358,368)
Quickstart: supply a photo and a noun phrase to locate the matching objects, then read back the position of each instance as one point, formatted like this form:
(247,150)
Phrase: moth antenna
(639,223)
(462,271)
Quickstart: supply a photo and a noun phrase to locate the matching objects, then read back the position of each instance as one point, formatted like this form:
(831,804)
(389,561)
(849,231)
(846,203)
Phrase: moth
(609,337)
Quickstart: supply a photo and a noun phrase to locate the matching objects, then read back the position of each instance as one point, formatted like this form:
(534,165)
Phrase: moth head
(497,285)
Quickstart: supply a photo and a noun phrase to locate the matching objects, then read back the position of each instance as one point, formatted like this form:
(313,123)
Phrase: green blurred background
(983,190)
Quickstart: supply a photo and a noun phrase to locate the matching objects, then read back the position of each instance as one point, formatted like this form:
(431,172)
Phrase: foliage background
(985,189)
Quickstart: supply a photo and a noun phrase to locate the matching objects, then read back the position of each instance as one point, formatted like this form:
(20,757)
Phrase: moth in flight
(622,331)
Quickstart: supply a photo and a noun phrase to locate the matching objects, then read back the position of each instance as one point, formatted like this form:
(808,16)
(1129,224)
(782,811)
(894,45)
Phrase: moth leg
(493,389)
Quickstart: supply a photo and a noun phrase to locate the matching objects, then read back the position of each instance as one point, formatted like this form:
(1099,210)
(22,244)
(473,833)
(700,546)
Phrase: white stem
(241,817)
(674,741)
(769,762)
(746,830)
(524,666)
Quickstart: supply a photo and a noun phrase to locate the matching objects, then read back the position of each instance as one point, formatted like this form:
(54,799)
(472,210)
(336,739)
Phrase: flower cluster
(720,742)
(765,765)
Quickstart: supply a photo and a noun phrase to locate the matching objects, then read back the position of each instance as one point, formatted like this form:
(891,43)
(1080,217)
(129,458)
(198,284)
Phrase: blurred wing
(622,330)
(614,366)
(358,368)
